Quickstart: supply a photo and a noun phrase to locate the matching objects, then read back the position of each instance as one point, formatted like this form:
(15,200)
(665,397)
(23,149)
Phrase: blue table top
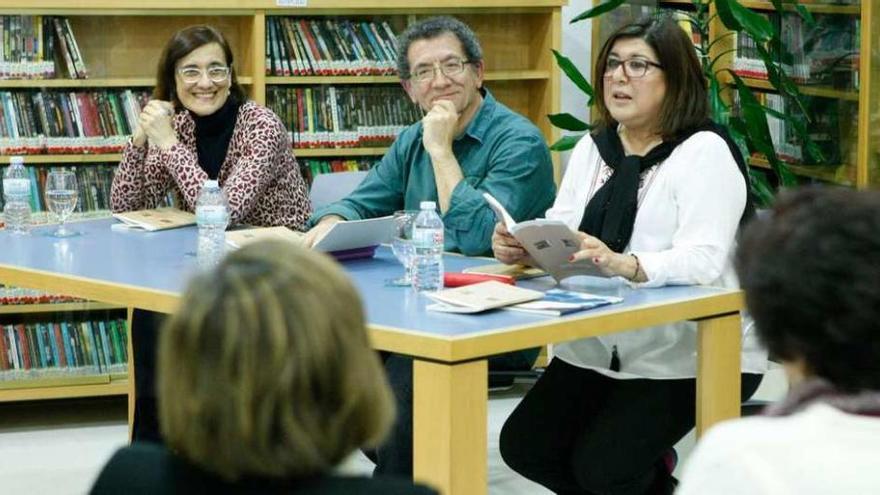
(164,261)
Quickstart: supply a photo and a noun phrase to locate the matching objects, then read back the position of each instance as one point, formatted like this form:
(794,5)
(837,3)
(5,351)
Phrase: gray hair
(433,27)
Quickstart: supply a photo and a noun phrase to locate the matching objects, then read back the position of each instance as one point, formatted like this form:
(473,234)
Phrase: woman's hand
(608,262)
(154,125)
(506,248)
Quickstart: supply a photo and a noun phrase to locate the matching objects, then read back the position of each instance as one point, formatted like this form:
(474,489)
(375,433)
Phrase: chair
(328,188)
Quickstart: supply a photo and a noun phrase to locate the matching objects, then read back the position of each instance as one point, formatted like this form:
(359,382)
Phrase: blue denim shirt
(500,152)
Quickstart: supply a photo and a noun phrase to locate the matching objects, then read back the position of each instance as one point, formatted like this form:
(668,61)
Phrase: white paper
(353,234)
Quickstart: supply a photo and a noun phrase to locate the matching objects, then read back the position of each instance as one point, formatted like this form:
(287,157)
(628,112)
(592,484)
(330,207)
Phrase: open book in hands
(154,219)
(550,243)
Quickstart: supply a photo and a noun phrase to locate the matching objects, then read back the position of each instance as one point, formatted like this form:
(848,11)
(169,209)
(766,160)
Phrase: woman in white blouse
(657,194)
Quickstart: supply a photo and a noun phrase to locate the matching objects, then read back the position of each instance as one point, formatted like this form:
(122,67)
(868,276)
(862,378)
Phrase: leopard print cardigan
(260,175)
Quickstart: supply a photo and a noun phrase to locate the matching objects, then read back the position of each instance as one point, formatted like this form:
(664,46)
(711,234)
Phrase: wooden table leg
(718,370)
(450,404)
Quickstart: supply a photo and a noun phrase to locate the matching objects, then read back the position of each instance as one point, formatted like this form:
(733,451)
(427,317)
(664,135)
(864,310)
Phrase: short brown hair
(686,104)
(180,45)
(266,369)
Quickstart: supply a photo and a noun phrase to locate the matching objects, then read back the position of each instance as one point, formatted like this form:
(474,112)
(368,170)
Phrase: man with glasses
(466,144)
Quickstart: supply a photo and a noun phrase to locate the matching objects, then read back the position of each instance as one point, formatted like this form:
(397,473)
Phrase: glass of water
(401,245)
(61,196)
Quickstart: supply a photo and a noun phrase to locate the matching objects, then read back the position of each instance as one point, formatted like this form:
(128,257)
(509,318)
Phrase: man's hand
(439,126)
(154,125)
(317,232)
(506,248)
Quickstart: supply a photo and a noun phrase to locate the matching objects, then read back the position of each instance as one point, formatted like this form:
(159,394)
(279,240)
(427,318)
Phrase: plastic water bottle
(17,195)
(427,239)
(212,217)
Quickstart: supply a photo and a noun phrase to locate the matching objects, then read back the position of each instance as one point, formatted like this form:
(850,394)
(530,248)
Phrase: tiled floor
(58,447)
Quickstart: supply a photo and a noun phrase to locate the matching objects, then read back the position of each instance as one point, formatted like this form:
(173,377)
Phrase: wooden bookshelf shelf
(837,174)
(63,387)
(56,308)
(67,159)
(321,152)
(816,7)
(509,75)
(116,82)
(822,91)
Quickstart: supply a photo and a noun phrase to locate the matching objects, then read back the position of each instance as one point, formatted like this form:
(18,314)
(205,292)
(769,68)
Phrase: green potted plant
(748,126)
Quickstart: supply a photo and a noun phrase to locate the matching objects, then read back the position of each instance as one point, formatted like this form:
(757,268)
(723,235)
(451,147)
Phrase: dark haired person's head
(811,273)
(439,58)
(648,77)
(267,371)
(196,71)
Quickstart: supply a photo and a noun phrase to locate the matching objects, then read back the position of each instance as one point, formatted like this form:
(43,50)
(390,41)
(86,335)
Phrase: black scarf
(611,213)
(820,391)
(213,133)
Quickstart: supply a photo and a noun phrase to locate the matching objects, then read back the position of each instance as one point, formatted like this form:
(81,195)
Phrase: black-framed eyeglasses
(632,67)
(192,75)
(448,68)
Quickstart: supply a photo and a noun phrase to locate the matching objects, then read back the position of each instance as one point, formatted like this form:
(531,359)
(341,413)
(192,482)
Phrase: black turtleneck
(213,133)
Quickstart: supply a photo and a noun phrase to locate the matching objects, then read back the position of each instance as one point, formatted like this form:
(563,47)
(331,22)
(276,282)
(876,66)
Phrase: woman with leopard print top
(200,126)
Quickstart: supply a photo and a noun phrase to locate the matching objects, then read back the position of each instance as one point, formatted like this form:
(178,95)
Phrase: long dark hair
(686,104)
(180,45)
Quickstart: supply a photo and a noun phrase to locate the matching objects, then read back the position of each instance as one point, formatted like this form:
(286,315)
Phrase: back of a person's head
(811,273)
(266,370)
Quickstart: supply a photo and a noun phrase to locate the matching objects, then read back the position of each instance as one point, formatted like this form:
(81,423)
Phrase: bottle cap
(211,183)
(428,205)
(16,160)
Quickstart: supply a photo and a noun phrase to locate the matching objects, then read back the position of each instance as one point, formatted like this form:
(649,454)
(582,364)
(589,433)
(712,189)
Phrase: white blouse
(818,451)
(689,207)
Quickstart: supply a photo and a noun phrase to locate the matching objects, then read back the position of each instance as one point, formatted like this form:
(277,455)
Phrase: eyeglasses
(192,75)
(632,67)
(449,68)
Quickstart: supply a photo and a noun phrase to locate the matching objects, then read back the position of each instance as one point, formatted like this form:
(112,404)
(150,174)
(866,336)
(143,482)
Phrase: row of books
(826,129)
(58,122)
(93,184)
(825,53)
(62,348)
(39,47)
(343,116)
(313,167)
(10,296)
(328,46)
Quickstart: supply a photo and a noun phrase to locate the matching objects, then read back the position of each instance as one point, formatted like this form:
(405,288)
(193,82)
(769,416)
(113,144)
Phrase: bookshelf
(846,104)
(120,41)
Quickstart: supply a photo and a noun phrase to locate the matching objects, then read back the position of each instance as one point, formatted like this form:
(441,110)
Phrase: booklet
(350,235)
(558,302)
(239,238)
(517,272)
(550,243)
(480,297)
(154,219)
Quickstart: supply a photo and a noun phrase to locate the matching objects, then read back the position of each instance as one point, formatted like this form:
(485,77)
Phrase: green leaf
(600,9)
(568,122)
(806,15)
(574,75)
(566,142)
(761,188)
(720,110)
(739,18)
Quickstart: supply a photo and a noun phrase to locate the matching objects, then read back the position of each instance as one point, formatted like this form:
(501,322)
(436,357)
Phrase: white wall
(576,46)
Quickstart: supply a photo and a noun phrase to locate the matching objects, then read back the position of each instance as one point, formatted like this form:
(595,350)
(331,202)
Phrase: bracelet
(638,267)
